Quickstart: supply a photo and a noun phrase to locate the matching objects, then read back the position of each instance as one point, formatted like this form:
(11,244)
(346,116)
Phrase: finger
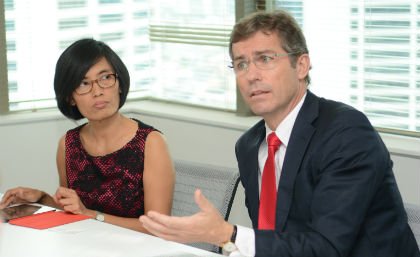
(71,208)
(6,199)
(159,229)
(62,192)
(6,202)
(64,201)
(202,202)
(6,195)
(65,192)
(10,194)
(10,197)
(172,222)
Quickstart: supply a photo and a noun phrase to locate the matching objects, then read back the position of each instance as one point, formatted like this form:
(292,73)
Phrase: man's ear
(303,65)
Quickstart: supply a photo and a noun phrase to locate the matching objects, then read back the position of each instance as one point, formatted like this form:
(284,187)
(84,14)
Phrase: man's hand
(207,225)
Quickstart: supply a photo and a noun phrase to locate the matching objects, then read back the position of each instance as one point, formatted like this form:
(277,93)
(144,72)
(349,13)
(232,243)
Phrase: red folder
(48,219)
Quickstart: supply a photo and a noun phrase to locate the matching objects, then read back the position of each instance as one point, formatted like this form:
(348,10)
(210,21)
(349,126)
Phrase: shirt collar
(284,129)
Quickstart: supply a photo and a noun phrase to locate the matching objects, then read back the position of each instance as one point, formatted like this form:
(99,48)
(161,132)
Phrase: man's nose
(253,72)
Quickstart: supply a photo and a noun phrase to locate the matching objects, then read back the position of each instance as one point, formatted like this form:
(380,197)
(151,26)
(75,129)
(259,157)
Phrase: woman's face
(100,102)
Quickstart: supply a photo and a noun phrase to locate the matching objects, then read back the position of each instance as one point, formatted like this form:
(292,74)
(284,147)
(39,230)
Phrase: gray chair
(413,215)
(217,183)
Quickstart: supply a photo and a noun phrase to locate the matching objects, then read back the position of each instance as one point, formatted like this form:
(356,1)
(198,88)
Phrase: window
(9,4)
(11,46)
(140,14)
(10,25)
(71,4)
(191,36)
(365,53)
(109,18)
(78,22)
(13,86)
(109,1)
(155,39)
(11,66)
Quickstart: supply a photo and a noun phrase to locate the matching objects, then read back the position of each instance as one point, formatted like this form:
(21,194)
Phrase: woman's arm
(70,202)
(159,175)
(158,182)
(61,161)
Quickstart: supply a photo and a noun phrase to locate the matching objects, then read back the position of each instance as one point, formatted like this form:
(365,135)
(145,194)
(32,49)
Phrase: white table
(89,238)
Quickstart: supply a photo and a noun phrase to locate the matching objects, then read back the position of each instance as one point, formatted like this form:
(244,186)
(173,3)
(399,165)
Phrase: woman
(111,168)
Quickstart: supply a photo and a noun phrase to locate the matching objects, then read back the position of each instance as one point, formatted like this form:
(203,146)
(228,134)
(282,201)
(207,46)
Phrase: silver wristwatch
(100,216)
(230,246)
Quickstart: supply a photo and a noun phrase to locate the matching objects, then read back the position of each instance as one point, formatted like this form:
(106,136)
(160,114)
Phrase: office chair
(413,215)
(217,183)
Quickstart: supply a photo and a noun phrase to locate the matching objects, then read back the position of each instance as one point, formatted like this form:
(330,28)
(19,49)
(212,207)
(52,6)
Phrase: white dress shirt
(245,237)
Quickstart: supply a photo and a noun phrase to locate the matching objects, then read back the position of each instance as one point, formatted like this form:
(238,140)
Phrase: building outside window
(363,52)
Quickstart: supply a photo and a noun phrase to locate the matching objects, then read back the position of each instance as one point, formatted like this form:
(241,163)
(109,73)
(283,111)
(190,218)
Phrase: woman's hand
(69,201)
(21,195)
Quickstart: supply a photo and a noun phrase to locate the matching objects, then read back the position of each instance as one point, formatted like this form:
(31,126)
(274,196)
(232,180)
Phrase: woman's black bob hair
(72,66)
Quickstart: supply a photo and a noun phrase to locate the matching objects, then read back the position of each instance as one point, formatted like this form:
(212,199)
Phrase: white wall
(28,143)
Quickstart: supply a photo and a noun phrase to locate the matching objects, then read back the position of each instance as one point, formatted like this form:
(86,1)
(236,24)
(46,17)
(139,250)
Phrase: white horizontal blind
(189,41)
(187,34)
(174,50)
(365,53)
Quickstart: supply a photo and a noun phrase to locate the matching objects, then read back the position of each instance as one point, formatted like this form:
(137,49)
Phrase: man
(332,190)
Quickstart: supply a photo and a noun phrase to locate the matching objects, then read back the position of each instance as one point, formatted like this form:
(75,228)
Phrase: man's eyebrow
(241,57)
(255,53)
(264,52)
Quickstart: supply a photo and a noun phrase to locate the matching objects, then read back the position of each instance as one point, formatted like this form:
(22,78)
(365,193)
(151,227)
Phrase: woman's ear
(72,102)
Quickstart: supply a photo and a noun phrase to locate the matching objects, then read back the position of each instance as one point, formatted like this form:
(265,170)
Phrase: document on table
(48,219)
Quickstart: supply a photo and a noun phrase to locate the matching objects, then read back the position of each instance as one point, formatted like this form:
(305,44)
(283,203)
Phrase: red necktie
(268,197)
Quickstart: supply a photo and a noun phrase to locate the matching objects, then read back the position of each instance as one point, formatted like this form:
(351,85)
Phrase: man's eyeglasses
(105,81)
(261,61)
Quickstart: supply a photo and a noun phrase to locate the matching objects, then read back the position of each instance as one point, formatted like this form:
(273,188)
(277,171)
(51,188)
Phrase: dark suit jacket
(337,194)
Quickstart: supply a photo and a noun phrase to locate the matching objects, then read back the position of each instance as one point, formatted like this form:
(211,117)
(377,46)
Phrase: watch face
(229,247)
(100,217)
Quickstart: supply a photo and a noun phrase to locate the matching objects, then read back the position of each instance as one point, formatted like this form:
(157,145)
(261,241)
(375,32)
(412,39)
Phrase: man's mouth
(258,93)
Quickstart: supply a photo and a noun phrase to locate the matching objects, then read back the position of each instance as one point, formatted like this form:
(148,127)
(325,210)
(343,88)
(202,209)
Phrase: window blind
(174,50)
(365,53)
(189,40)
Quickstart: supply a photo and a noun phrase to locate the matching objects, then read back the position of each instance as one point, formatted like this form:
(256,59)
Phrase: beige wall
(28,145)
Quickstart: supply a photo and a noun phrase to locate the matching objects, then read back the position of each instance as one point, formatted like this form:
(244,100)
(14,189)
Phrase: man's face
(270,93)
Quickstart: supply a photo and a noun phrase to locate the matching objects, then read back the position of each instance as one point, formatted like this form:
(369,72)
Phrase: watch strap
(230,246)
(235,231)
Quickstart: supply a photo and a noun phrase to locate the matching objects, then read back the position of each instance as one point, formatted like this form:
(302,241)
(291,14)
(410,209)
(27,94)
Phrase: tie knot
(273,140)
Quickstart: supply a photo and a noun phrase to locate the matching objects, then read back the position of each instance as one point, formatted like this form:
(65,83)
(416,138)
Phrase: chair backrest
(217,183)
(413,215)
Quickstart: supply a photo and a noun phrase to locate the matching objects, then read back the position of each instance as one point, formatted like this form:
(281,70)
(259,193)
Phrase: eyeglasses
(105,81)
(261,61)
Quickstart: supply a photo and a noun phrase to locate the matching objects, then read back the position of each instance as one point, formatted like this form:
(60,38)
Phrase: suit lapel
(299,139)
(254,171)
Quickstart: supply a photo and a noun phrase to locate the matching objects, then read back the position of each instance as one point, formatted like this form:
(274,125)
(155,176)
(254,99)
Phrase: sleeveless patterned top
(113,183)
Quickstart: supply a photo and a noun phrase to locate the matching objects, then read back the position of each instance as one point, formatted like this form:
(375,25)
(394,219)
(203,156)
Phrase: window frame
(4,92)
